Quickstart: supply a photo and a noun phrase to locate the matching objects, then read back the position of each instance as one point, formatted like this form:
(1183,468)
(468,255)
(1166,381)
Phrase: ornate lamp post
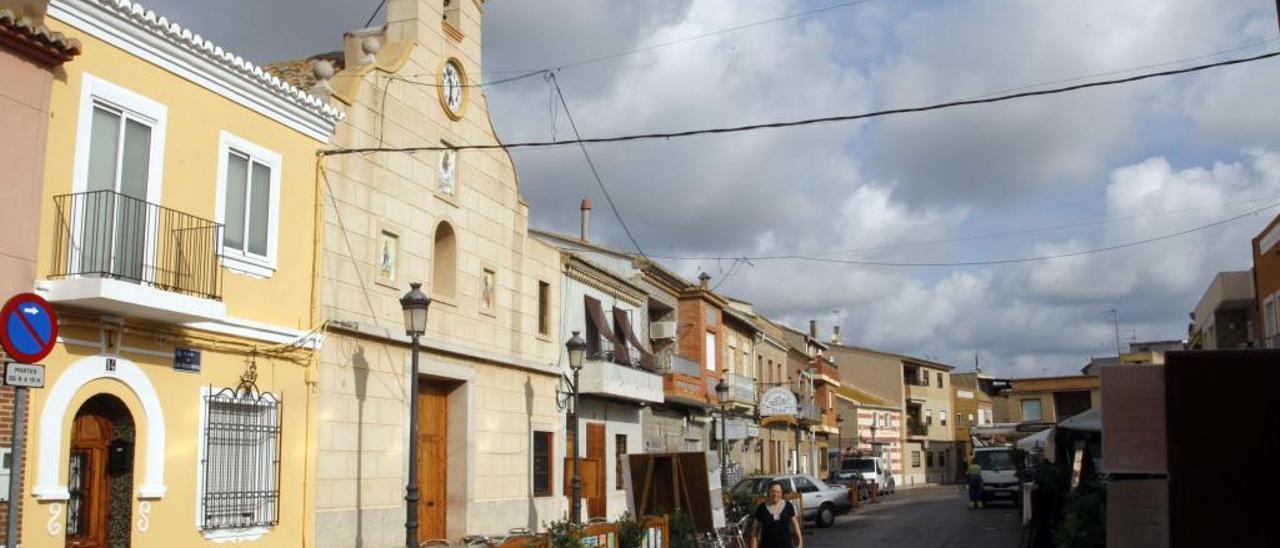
(577,349)
(414,304)
(722,392)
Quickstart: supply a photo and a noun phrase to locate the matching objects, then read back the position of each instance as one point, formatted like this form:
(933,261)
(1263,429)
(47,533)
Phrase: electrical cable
(594,173)
(1036,230)
(811,121)
(374,14)
(1136,243)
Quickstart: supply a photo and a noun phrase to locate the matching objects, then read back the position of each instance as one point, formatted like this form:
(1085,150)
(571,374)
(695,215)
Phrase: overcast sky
(1151,158)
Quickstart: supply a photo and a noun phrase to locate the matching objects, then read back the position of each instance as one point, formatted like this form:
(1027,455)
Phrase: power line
(592,165)
(374,14)
(1035,230)
(811,121)
(1017,260)
(708,34)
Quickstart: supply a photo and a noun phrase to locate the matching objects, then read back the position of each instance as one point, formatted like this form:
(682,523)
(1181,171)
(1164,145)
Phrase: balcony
(682,381)
(742,389)
(828,373)
(916,428)
(601,376)
(123,255)
(808,412)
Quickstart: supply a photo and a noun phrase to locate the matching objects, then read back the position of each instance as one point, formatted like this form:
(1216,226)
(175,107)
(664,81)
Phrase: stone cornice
(584,271)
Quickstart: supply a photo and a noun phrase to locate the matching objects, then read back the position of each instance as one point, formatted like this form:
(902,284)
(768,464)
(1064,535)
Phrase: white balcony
(604,378)
(742,389)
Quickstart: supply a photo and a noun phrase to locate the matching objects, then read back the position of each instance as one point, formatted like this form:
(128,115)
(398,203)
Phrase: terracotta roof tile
(36,40)
(297,72)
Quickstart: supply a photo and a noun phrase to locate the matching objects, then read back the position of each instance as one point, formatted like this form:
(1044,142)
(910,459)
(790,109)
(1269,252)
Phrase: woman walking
(777,524)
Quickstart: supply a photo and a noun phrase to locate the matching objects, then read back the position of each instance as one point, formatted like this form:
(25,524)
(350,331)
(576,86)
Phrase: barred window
(240,465)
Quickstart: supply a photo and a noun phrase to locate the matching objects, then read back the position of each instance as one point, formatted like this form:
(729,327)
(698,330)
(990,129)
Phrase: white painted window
(942,417)
(731,356)
(1031,410)
(711,351)
(248,204)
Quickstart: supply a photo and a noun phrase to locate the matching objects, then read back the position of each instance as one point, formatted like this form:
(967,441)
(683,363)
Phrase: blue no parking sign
(30,328)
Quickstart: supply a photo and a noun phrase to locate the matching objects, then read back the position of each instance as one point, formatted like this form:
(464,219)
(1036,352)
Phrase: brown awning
(595,314)
(623,321)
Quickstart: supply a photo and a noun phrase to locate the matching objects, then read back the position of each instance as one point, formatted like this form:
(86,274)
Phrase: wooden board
(666,482)
(433,459)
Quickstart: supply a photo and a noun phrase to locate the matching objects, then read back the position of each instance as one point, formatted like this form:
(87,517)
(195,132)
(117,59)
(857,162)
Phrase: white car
(820,502)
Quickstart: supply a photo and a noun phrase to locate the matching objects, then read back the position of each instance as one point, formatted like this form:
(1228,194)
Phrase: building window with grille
(542,464)
(915,459)
(239,477)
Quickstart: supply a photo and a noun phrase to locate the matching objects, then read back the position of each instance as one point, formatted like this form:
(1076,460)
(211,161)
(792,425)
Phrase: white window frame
(96,90)
(244,262)
(93,91)
(710,349)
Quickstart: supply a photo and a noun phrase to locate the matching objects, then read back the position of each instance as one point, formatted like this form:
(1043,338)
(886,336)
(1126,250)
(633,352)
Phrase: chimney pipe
(813,329)
(586,220)
(835,334)
(704,280)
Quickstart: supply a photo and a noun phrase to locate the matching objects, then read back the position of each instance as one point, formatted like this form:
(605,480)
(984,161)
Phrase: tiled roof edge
(139,16)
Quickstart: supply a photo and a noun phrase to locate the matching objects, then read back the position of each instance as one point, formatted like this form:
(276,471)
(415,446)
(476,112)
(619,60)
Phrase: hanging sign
(778,400)
(28,328)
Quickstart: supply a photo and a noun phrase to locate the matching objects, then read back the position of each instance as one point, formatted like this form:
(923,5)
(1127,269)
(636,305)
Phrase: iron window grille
(241,461)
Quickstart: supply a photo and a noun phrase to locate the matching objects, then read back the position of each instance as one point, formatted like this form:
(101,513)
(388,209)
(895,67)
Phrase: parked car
(819,502)
(999,475)
(846,477)
(872,469)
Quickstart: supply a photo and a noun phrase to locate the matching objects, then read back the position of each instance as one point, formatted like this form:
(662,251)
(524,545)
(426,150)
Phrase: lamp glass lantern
(415,304)
(577,349)
(722,390)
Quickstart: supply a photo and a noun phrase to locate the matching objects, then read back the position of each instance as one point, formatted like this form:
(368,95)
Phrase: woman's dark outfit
(775,533)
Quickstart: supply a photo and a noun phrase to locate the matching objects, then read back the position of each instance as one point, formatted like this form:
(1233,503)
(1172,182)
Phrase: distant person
(973,478)
(777,524)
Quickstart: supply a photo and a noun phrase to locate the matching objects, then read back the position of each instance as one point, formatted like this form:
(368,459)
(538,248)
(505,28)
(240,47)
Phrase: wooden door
(597,506)
(433,459)
(87,482)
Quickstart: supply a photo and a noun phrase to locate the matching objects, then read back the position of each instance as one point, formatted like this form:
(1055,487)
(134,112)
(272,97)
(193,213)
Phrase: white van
(999,474)
(871,469)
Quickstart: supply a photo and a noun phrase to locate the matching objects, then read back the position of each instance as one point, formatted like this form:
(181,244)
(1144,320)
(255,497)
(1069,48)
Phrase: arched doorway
(100,474)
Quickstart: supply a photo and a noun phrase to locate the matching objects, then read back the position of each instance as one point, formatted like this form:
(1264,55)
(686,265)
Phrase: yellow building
(177,244)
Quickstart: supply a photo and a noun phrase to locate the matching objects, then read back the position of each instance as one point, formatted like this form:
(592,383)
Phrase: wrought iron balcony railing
(916,427)
(670,363)
(112,235)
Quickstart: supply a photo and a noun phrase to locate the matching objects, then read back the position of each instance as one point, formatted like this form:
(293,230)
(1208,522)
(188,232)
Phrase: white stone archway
(49,452)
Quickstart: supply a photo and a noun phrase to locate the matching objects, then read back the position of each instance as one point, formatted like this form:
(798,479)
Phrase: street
(924,517)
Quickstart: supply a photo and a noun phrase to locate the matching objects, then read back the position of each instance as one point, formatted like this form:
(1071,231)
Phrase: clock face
(452,86)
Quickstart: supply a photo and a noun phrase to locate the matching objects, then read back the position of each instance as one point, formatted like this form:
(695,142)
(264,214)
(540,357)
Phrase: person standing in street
(973,478)
(777,524)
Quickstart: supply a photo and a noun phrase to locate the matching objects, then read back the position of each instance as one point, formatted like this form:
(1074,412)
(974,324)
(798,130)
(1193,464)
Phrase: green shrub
(680,527)
(630,531)
(564,533)
(1084,522)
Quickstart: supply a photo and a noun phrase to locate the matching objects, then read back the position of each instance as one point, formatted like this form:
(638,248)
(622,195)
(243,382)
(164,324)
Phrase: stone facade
(459,225)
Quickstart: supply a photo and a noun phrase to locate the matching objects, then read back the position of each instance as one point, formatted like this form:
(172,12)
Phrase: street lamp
(577,349)
(414,304)
(722,392)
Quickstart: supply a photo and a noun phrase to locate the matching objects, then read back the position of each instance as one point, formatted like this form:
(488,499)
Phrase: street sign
(778,400)
(28,328)
(24,375)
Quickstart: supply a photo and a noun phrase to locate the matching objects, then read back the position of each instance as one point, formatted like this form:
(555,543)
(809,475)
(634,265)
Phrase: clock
(453,88)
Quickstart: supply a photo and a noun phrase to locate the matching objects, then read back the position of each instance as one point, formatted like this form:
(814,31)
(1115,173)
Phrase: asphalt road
(925,517)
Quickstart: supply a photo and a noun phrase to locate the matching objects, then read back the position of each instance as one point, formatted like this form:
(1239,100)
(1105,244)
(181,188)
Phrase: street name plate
(19,374)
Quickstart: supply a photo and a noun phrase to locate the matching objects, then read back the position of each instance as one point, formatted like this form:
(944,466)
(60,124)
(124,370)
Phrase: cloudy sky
(1063,174)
